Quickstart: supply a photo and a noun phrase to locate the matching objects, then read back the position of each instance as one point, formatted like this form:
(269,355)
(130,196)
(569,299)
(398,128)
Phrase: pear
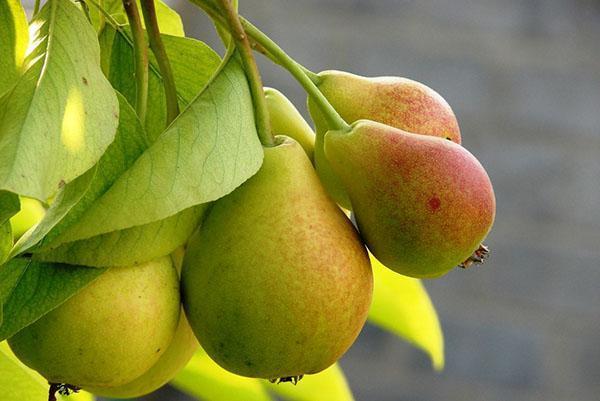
(398,102)
(276,283)
(422,204)
(109,333)
(286,120)
(31,213)
(176,356)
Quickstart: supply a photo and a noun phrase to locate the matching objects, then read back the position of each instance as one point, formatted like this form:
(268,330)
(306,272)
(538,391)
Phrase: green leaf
(169,22)
(29,290)
(6,243)
(19,383)
(208,151)
(193,64)
(330,385)
(132,245)
(9,206)
(206,380)
(77,196)
(15,36)
(118,248)
(401,305)
(67,197)
(64,95)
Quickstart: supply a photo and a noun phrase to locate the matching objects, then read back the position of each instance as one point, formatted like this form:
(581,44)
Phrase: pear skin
(31,213)
(175,357)
(109,333)
(422,204)
(399,102)
(286,120)
(276,282)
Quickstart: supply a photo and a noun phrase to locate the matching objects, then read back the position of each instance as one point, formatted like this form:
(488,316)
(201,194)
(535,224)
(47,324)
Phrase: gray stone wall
(523,77)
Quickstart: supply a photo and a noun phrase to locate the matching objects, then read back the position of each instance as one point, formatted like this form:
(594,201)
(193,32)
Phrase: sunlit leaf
(13,42)
(330,385)
(208,151)
(206,380)
(401,305)
(62,114)
(19,383)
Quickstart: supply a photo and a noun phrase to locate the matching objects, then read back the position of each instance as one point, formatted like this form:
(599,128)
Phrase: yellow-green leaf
(330,385)
(14,37)
(62,94)
(204,379)
(401,305)
(19,383)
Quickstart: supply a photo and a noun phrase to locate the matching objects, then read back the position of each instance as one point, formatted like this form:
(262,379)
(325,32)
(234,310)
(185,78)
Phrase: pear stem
(158,48)
(242,43)
(140,51)
(36,7)
(269,48)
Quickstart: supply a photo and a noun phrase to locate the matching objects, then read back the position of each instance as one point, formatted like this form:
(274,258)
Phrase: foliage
(119,191)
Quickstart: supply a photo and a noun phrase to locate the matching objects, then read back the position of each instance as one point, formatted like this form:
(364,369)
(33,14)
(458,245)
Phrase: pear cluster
(276,282)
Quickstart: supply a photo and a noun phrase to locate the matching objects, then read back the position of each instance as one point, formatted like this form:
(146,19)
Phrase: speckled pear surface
(399,102)
(176,356)
(276,283)
(422,204)
(109,333)
(286,120)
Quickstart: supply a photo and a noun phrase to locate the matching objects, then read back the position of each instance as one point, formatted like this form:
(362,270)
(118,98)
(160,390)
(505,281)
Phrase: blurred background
(523,77)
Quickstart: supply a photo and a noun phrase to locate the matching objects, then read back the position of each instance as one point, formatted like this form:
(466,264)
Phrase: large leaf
(75,197)
(125,247)
(401,305)
(193,64)
(13,43)
(169,21)
(131,245)
(19,383)
(206,380)
(330,385)
(62,114)
(29,290)
(208,151)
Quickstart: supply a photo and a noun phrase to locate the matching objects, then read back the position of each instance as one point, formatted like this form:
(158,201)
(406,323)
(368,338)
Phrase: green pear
(286,120)
(109,333)
(176,356)
(276,282)
(398,102)
(30,214)
(422,204)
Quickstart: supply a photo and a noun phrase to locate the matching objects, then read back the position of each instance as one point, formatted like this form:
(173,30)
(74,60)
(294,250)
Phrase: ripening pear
(422,204)
(399,102)
(31,213)
(175,357)
(109,333)
(276,282)
(286,120)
